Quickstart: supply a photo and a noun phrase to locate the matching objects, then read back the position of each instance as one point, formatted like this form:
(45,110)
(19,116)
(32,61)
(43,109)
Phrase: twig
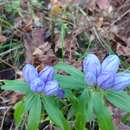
(3,108)
(7,64)
(2,122)
(11,127)
(119,18)
(8,51)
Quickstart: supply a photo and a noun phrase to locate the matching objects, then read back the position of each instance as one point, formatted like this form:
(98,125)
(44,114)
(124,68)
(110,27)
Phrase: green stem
(62,40)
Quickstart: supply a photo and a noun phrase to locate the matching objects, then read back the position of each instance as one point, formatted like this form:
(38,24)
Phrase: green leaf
(80,116)
(88,98)
(79,108)
(29,101)
(89,110)
(17,86)
(119,99)
(103,115)
(71,70)
(80,121)
(19,113)
(73,81)
(54,113)
(69,82)
(12,6)
(34,114)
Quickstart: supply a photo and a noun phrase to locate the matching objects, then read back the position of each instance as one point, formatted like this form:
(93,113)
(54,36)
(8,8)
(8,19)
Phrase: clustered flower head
(42,81)
(105,75)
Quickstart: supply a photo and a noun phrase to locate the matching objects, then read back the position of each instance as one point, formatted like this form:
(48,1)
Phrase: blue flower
(105,75)
(42,81)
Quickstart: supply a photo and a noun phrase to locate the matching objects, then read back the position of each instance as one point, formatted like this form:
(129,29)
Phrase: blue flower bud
(51,88)
(122,81)
(106,80)
(90,78)
(111,64)
(37,85)
(43,81)
(92,68)
(47,74)
(92,64)
(29,73)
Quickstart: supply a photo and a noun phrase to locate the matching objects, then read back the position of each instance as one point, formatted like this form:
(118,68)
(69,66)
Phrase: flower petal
(92,64)
(111,64)
(47,74)
(60,93)
(122,81)
(29,72)
(51,88)
(90,78)
(37,85)
(106,80)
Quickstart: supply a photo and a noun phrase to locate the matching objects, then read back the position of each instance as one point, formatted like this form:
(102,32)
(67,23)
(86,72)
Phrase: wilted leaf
(55,10)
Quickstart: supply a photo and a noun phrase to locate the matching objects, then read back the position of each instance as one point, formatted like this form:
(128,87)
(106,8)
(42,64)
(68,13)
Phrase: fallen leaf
(99,22)
(91,5)
(123,50)
(2,38)
(44,55)
(103,4)
(55,10)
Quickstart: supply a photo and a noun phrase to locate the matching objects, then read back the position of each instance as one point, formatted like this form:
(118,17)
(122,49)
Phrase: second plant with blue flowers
(74,99)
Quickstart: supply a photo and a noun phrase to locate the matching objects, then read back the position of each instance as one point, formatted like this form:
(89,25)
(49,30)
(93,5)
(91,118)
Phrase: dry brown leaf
(70,45)
(99,22)
(23,24)
(91,5)
(123,50)
(44,55)
(15,97)
(32,41)
(103,4)
(37,51)
(28,26)
(2,38)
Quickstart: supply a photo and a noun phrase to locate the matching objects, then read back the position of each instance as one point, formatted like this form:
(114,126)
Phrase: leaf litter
(92,26)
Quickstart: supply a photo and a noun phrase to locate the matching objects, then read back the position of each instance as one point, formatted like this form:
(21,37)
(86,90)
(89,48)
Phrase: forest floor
(45,33)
